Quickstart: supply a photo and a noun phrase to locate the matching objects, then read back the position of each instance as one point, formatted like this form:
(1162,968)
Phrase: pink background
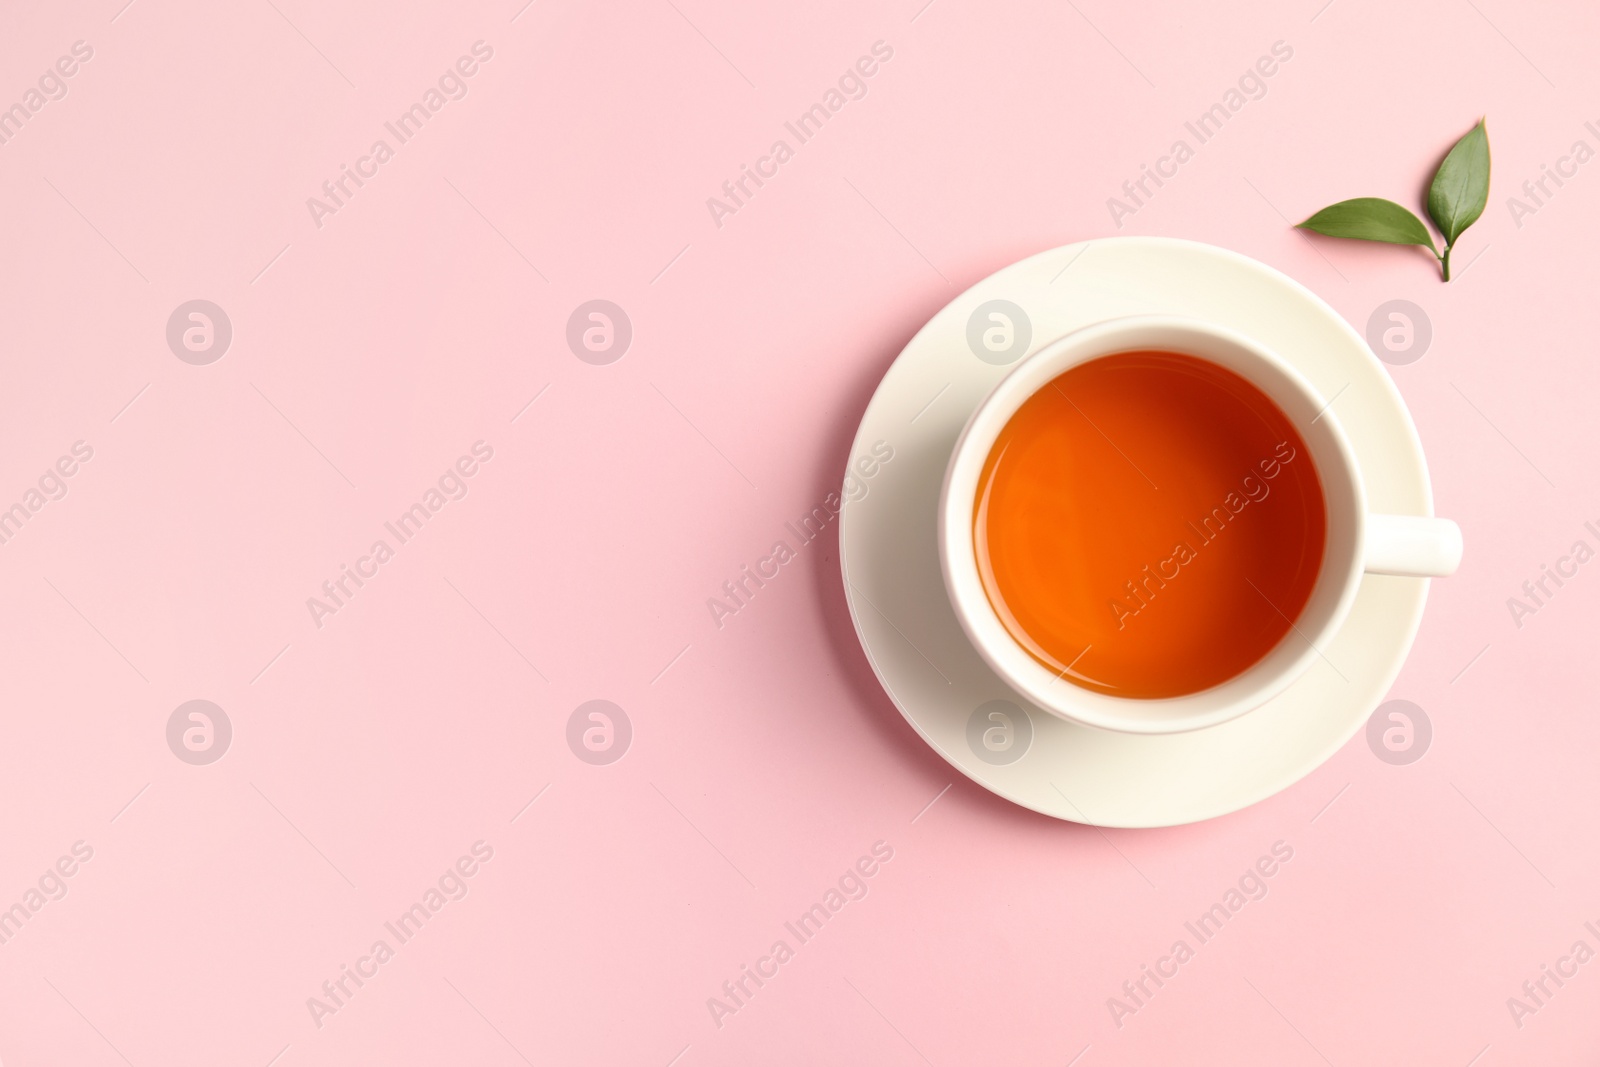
(368,354)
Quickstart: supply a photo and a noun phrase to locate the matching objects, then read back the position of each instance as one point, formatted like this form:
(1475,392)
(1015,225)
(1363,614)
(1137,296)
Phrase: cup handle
(1412,545)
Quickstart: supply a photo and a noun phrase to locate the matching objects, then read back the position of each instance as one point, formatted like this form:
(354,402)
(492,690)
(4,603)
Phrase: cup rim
(1249,689)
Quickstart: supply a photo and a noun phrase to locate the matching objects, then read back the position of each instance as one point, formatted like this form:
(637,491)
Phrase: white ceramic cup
(1357,542)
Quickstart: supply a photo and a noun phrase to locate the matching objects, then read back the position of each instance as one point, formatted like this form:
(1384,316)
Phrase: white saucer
(938,681)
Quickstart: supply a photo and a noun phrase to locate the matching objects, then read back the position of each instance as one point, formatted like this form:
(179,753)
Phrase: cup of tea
(1156,524)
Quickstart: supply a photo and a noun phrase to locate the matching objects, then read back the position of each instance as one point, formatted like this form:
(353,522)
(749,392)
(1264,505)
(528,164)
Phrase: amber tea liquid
(1149,524)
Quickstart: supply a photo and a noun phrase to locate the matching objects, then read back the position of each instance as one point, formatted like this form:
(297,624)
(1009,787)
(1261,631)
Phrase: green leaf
(1371,218)
(1460,188)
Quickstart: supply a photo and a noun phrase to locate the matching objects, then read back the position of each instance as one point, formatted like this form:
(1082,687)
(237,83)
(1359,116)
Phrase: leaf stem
(1445,261)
